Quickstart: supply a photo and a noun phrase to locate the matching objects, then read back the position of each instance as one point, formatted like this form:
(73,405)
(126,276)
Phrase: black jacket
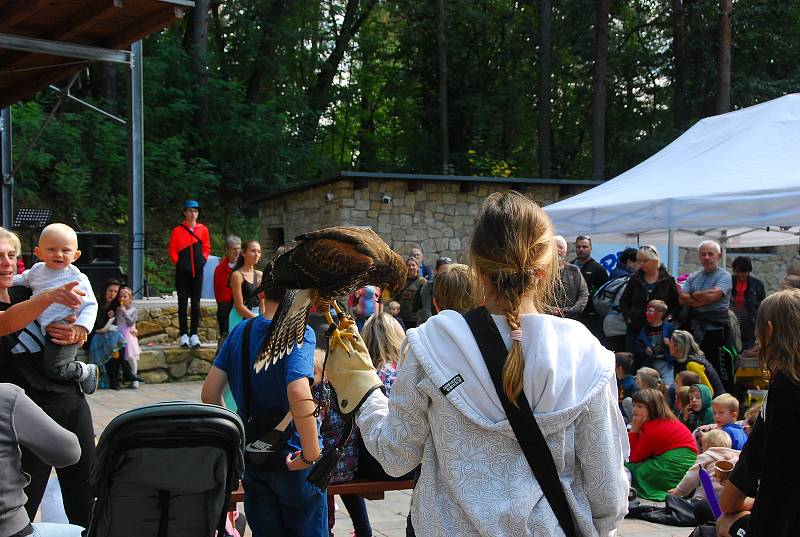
(595,276)
(753,296)
(634,299)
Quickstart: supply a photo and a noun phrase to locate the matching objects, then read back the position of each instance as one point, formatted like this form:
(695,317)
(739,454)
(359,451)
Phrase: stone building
(435,212)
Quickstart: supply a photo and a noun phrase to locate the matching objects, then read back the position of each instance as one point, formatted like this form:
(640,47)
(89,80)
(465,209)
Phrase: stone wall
(769,268)
(158,321)
(436,215)
(160,364)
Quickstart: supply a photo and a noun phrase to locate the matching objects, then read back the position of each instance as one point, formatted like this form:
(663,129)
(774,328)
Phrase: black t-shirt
(20,357)
(767,469)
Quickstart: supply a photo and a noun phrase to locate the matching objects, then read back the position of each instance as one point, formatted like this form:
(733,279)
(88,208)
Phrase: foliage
(246,124)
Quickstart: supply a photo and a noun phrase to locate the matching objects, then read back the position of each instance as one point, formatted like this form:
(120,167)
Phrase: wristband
(308,462)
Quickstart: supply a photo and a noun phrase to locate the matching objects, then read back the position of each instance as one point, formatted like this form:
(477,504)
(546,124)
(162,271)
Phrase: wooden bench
(371,490)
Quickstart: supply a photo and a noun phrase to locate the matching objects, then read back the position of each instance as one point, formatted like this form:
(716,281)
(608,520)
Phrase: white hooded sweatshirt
(444,412)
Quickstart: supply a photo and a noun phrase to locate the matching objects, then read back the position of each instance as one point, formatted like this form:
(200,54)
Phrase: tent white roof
(735,175)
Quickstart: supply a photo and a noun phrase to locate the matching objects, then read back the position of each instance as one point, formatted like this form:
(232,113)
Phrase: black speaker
(99,275)
(98,250)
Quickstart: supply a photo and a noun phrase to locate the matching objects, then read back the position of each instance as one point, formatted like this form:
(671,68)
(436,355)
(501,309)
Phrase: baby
(58,248)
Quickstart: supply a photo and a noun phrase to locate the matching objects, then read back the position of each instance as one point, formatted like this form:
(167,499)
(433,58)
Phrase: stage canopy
(733,177)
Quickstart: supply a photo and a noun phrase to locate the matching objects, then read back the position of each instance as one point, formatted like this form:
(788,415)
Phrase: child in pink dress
(126,316)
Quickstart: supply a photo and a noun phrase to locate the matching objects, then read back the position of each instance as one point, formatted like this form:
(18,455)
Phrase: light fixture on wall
(329,197)
(387,199)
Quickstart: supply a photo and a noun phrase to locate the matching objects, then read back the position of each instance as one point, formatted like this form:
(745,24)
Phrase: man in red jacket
(222,275)
(189,246)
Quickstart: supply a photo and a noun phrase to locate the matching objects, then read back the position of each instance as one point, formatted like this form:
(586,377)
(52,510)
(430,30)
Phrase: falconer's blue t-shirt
(268,387)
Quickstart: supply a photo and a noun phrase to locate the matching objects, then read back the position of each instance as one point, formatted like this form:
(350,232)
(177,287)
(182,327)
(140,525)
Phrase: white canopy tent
(734,178)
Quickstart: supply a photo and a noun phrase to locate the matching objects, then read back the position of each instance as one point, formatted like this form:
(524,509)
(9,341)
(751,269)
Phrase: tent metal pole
(136,170)
(670,256)
(723,239)
(7,178)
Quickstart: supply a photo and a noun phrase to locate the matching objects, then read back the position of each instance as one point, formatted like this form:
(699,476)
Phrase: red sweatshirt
(659,436)
(222,292)
(189,250)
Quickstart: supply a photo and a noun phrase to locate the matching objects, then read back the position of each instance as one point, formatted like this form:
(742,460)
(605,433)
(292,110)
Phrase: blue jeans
(280,503)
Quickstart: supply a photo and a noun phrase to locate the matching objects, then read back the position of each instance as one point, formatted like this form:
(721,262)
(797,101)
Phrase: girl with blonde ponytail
(446,413)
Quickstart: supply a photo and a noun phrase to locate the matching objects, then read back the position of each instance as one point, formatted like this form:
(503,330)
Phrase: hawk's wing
(317,271)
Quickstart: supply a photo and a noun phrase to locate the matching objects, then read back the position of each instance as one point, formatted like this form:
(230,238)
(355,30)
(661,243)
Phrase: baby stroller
(166,470)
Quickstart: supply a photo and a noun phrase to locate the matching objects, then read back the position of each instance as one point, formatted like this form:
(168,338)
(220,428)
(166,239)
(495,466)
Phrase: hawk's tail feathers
(288,328)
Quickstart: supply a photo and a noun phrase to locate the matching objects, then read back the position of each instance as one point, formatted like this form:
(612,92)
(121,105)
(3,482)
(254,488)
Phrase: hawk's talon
(337,338)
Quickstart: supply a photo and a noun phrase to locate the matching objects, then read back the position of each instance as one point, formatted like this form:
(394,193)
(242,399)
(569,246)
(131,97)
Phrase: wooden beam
(85,17)
(18,12)
(39,80)
(138,31)
(82,19)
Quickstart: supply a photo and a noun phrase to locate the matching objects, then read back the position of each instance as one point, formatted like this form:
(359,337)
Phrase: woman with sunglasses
(650,282)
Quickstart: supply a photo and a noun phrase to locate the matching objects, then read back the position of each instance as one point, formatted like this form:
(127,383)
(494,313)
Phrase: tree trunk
(266,48)
(724,58)
(545,87)
(599,89)
(679,116)
(441,40)
(195,41)
(219,40)
(103,84)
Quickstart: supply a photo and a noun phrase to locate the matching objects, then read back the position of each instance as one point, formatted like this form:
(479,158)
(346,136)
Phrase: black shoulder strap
(527,431)
(187,228)
(248,325)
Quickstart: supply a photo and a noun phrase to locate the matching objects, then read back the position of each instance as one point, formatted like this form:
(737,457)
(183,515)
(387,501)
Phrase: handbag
(530,437)
(265,434)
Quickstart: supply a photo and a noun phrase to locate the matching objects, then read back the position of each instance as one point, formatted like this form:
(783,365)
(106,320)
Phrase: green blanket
(654,477)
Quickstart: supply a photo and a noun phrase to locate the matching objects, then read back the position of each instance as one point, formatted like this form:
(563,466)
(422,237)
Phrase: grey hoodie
(445,413)
(23,423)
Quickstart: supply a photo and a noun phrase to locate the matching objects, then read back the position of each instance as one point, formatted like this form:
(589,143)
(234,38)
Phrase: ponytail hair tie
(516,335)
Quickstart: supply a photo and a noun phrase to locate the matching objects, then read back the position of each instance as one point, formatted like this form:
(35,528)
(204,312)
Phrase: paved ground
(388,517)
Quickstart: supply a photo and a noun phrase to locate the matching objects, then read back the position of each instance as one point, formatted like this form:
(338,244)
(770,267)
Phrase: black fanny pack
(265,437)
(265,434)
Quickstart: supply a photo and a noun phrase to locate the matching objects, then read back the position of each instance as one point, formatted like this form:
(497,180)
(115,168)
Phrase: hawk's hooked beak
(386,295)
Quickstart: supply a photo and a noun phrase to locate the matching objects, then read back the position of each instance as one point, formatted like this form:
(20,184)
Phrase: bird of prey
(326,264)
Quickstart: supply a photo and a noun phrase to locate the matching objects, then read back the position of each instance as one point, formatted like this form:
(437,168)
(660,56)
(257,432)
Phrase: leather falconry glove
(350,372)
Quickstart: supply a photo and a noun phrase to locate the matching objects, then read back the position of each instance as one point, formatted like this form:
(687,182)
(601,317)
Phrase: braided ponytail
(513,250)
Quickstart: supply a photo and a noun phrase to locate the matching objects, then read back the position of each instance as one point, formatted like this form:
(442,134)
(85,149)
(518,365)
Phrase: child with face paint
(654,339)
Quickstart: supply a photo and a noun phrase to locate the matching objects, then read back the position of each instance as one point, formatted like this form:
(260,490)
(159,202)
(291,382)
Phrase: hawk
(326,264)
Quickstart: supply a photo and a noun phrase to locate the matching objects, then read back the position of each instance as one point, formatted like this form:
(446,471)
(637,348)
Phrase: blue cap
(191,204)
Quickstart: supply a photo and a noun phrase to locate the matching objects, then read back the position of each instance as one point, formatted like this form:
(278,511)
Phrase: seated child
(452,290)
(647,377)
(688,356)
(698,412)
(716,447)
(726,412)
(393,309)
(653,341)
(662,448)
(682,379)
(681,401)
(58,248)
(750,418)
(626,383)
(126,317)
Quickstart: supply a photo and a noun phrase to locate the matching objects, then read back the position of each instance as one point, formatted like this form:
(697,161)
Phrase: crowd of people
(627,379)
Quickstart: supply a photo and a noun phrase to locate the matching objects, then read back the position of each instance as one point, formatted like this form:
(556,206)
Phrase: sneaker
(183,341)
(89,379)
(194,341)
(134,384)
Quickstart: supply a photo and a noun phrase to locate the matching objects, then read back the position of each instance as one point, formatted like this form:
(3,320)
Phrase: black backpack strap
(530,437)
(246,363)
